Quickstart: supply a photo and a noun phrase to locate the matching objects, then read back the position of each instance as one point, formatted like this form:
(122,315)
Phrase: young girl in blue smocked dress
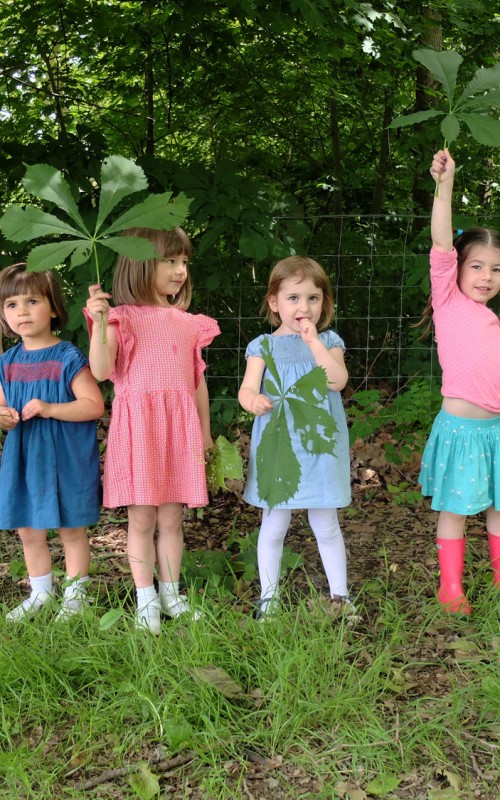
(299,302)
(49,475)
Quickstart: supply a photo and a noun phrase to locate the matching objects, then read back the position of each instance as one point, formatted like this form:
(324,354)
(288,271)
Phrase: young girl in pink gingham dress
(160,426)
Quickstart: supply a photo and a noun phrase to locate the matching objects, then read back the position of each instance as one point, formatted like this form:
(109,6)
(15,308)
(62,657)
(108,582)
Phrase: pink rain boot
(451,553)
(494,545)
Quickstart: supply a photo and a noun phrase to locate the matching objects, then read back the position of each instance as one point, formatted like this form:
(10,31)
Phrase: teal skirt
(461,464)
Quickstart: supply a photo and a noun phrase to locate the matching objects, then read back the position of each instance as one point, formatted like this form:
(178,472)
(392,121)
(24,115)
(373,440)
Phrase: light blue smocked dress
(325,479)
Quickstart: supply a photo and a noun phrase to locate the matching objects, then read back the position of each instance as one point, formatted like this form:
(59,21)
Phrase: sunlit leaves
(481,94)
(24,224)
(120,177)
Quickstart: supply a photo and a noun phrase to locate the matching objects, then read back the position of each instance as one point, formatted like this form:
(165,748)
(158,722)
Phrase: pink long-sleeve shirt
(468,338)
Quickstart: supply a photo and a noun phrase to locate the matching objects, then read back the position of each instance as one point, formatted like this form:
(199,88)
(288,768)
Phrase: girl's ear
(272,303)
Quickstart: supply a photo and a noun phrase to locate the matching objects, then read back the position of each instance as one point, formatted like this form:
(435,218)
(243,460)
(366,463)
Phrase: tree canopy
(268,115)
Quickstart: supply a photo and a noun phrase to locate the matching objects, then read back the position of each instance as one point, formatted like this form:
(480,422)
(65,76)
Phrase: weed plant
(405,692)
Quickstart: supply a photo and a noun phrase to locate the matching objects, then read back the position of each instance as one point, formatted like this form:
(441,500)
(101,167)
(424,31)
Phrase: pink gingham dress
(155,451)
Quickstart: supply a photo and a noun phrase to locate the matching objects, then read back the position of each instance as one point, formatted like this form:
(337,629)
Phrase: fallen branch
(120,772)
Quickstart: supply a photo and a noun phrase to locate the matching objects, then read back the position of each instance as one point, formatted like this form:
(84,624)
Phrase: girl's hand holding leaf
(97,304)
(443,166)
(261,405)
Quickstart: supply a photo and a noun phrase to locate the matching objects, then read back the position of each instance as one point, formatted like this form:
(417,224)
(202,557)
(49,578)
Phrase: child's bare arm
(9,417)
(88,404)
(102,355)
(442,169)
(249,396)
(331,360)
(203,405)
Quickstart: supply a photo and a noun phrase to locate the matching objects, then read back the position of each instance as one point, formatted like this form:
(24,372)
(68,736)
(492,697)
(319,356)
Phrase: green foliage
(120,177)
(226,573)
(278,469)
(408,417)
(223,461)
(479,96)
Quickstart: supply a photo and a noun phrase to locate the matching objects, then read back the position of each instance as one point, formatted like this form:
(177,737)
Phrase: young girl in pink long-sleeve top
(461,461)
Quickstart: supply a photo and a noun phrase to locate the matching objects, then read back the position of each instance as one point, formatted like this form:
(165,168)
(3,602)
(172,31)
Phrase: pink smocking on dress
(155,450)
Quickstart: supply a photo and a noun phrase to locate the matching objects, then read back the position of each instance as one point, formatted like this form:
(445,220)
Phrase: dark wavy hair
(16,280)
(463,243)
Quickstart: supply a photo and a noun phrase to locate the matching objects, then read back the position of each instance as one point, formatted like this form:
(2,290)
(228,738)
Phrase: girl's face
(29,316)
(479,276)
(171,274)
(297,299)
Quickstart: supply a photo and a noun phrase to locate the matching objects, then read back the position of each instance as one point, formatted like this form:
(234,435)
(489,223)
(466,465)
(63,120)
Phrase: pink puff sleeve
(207,330)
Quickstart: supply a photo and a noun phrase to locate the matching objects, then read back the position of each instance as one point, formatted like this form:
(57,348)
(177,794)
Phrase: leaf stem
(98,280)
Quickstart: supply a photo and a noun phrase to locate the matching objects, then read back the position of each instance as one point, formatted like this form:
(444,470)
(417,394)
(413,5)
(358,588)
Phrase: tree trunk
(378,191)
(433,37)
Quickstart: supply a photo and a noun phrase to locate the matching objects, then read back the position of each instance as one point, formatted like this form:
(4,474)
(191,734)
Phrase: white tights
(325,526)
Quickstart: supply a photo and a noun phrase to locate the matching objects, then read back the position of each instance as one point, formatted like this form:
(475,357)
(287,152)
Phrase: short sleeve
(254,347)
(207,330)
(74,362)
(331,339)
(207,327)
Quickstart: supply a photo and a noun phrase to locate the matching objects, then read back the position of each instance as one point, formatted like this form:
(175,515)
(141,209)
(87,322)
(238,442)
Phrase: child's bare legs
(76,551)
(142,558)
(38,564)
(140,544)
(170,547)
(493,528)
(451,554)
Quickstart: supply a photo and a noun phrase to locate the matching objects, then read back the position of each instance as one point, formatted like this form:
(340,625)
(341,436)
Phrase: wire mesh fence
(378,268)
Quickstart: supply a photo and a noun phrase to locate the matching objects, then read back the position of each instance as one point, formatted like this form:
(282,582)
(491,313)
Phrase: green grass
(408,696)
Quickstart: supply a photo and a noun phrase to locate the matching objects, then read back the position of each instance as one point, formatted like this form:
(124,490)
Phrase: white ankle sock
(75,586)
(146,595)
(40,586)
(169,592)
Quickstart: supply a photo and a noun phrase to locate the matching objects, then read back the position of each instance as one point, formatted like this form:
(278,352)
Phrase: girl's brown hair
(15,280)
(303,267)
(134,281)
(462,244)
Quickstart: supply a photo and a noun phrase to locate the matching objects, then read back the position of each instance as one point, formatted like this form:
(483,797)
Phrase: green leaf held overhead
(20,224)
(120,177)
(48,183)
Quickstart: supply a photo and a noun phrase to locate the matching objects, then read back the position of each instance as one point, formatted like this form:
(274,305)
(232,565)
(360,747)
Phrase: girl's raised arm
(249,396)
(443,168)
(102,355)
